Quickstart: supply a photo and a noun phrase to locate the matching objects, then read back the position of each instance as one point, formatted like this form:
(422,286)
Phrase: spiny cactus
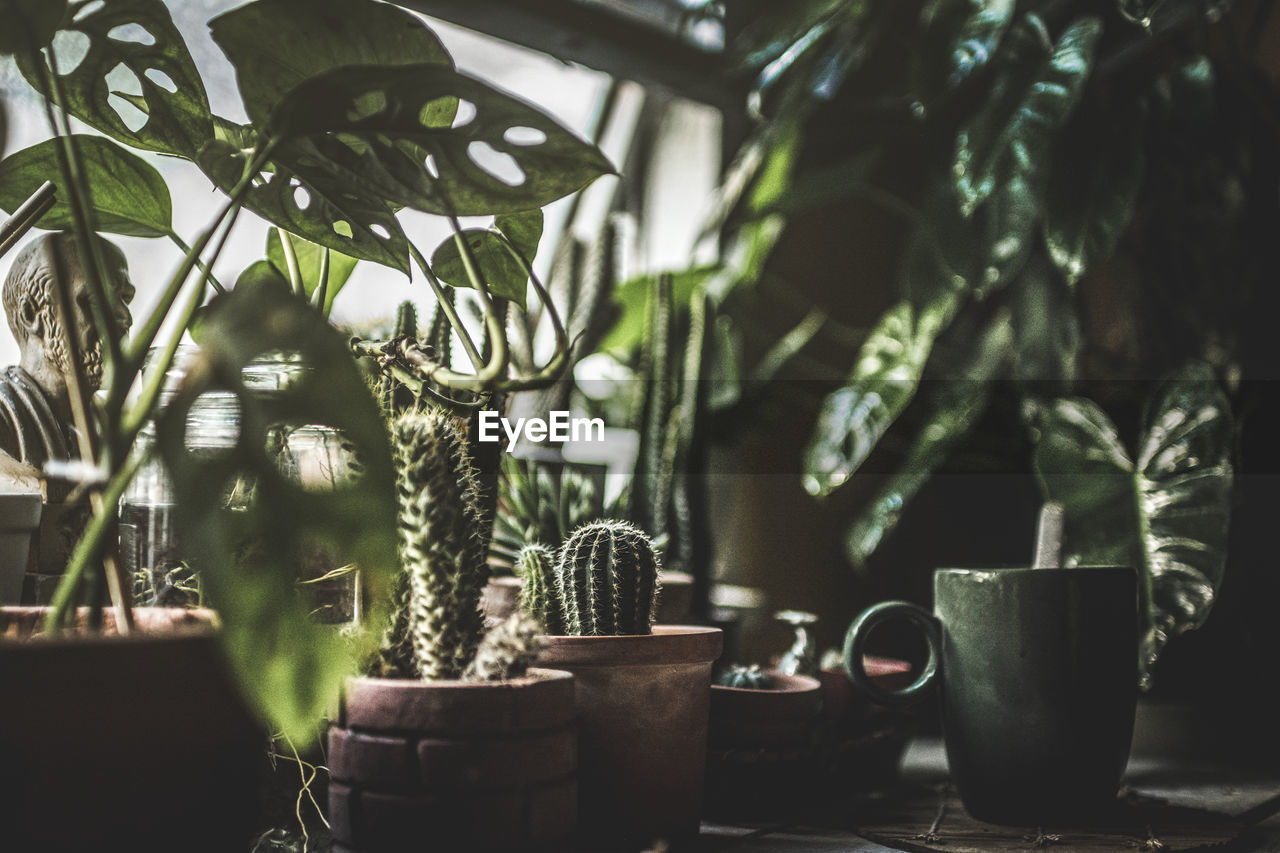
(536,566)
(607,578)
(442,542)
(508,650)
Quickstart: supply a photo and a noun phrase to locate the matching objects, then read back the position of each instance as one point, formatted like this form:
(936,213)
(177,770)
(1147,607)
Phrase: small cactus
(507,651)
(745,678)
(607,580)
(442,542)
(536,566)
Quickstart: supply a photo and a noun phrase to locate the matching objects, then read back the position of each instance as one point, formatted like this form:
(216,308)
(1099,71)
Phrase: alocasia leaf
(884,379)
(301,197)
(277,44)
(1093,186)
(249,556)
(982,24)
(1001,153)
(382,127)
(956,405)
(310,263)
(138,40)
(129,197)
(505,276)
(1167,513)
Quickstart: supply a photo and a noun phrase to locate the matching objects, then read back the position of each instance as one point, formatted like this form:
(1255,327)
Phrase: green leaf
(250,555)
(136,40)
(981,26)
(854,418)
(310,260)
(301,197)
(380,127)
(1168,514)
(1093,188)
(632,297)
(1001,154)
(955,407)
(277,44)
(27,25)
(503,273)
(1046,325)
(129,196)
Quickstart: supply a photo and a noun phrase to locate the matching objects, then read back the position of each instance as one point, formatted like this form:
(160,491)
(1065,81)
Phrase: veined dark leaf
(1168,513)
(503,273)
(249,557)
(276,45)
(135,40)
(29,24)
(772,33)
(956,405)
(1046,325)
(982,24)
(310,261)
(884,379)
(129,196)
(1002,153)
(1093,187)
(380,126)
(298,195)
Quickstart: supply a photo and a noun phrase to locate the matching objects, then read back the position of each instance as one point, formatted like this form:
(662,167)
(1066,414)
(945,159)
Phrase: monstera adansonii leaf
(136,81)
(1165,512)
(249,556)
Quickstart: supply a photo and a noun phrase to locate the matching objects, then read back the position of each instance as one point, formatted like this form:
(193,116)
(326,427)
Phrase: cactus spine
(538,597)
(508,650)
(442,542)
(607,579)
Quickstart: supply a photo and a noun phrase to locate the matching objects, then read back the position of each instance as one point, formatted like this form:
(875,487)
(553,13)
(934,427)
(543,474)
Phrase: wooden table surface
(1197,805)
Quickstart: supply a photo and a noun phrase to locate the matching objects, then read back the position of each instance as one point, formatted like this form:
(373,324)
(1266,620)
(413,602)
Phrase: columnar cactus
(442,542)
(536,566)
(607,579)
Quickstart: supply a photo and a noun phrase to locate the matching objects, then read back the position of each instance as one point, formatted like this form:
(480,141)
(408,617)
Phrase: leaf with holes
(310,262)
(884,379)
(1168,513)
(322,35)
(249,556)
(302,198)
(505,275)
(374,124)
(29,24)
(129,196)
(133,44)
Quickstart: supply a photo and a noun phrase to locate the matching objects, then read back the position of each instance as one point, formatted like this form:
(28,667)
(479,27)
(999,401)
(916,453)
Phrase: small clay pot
(138,742)
(500,597)
(762,757)
(454,765)
(643,704)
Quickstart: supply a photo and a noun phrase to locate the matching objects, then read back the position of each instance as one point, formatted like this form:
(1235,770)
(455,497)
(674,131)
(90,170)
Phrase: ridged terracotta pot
(141,742)
(454,766)
(643,704)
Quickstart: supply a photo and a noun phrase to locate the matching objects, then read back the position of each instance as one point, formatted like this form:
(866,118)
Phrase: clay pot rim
(790,685)
(536,675)
(668,644)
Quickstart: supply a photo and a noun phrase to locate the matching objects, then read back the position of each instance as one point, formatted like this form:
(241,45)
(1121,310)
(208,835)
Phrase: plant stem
(450,312)
(291,262)
(177,241)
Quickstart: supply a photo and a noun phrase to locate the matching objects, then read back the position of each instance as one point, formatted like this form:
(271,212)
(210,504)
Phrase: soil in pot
(139,743)
(454,766)
(643,704)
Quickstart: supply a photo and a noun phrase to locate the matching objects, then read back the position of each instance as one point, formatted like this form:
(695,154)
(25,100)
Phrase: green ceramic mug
(1038,675)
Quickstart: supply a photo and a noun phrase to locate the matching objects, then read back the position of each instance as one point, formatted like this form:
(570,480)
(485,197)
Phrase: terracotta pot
(454,766)
(643,704)
(500,597)
(675,598)
(140,743)
(762,756)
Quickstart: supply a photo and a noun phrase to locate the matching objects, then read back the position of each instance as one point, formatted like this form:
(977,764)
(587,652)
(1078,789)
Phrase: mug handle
(861,629)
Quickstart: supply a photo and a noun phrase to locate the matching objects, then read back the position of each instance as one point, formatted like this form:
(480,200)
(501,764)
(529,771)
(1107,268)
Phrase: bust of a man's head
(29,301)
